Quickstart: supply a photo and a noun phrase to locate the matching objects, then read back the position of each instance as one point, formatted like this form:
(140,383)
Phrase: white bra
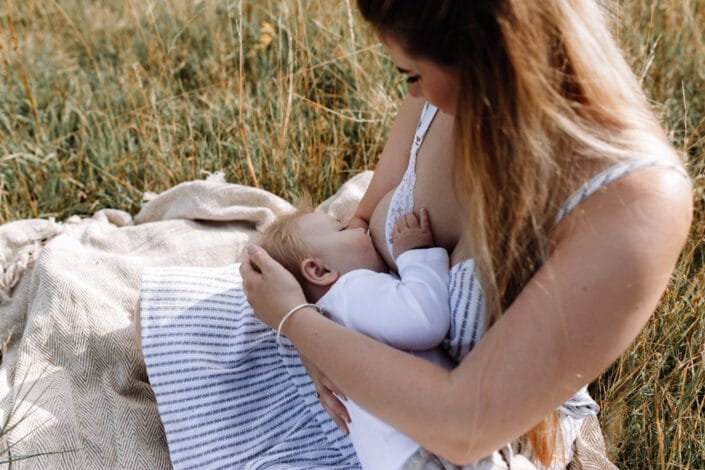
(402,201)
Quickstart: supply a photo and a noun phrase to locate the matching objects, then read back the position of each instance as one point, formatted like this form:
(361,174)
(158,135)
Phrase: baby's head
(317,248)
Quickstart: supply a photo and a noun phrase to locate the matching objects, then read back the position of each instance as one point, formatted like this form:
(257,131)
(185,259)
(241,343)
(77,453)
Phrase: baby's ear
(317,273)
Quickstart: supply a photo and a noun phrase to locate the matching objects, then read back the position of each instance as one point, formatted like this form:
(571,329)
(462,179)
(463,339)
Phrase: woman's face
(436,83)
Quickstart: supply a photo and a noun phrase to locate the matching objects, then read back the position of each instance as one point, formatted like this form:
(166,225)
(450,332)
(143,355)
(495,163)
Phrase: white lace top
(402,201)
(467,307)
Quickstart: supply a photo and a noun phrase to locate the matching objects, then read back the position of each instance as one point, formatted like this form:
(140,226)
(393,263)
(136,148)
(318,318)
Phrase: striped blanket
(229,397)
(73,387)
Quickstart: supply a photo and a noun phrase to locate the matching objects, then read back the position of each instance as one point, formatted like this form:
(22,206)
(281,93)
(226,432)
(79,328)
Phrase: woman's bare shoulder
(612,258)
(650,205)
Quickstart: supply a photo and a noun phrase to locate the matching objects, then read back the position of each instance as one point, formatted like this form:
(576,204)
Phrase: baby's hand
(412,232)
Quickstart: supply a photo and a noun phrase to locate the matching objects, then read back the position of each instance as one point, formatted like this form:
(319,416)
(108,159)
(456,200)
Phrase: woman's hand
(271,289)
(329,395)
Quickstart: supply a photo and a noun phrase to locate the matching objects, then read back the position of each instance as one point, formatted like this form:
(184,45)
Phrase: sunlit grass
(101,101)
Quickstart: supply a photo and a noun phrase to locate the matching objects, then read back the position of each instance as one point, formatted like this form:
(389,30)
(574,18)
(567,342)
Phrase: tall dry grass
(103,100)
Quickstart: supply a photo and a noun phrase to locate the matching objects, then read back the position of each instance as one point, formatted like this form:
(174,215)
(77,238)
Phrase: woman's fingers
(271,289)
(331,386)
(260,260)
(329,395)
(247,269)
(335,409)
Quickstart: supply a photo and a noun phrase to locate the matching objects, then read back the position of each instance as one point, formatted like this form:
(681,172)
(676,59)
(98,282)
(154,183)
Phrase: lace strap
(609,175)
(427,114)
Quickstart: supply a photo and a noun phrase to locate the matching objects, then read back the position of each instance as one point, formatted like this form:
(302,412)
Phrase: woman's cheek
(415,89)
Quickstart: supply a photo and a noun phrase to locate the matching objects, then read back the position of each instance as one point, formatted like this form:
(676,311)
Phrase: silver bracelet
(289,314)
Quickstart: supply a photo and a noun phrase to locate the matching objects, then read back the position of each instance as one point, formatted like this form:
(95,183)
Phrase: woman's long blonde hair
(545,97)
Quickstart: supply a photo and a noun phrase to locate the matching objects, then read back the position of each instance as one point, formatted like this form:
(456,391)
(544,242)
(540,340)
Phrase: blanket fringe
(20,244)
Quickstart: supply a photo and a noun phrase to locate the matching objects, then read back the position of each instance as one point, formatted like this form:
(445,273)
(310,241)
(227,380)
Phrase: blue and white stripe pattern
(467,309)
(228,396)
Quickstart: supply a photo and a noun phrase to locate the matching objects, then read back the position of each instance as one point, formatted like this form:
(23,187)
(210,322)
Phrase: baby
(340,270)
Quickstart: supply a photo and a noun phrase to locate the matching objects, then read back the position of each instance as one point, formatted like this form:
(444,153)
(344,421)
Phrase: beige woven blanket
(73,389)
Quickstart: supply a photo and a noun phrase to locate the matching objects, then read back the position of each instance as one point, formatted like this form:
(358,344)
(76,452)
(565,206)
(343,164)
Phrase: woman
(546,116)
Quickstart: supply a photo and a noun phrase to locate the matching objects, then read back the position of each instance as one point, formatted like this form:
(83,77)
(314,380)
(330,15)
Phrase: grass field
(102,100)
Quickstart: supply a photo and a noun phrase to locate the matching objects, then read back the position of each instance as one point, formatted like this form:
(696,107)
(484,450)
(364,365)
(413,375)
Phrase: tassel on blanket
(20,245)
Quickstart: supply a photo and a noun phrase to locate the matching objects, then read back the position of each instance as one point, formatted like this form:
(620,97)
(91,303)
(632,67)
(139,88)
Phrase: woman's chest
(432,189)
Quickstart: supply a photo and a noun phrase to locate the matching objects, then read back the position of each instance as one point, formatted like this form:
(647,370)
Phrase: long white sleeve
(410,313)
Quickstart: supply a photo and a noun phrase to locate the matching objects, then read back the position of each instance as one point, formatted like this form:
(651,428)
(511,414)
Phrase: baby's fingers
(400,226)
(406,222)
(423,219)
(411,220)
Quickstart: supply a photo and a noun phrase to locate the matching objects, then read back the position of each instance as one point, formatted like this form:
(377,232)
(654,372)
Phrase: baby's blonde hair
(283,242)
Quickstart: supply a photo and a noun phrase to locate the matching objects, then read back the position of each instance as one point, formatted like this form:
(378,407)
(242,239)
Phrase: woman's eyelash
(412,79)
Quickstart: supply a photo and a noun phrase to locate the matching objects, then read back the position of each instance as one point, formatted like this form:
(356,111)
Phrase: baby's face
(340,248)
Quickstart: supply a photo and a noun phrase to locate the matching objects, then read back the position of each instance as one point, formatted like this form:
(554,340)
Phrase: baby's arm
(411,312)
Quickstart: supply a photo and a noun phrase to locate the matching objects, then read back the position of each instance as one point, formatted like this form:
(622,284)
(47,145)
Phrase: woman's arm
(611,264)
(392,162)
(612,260)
